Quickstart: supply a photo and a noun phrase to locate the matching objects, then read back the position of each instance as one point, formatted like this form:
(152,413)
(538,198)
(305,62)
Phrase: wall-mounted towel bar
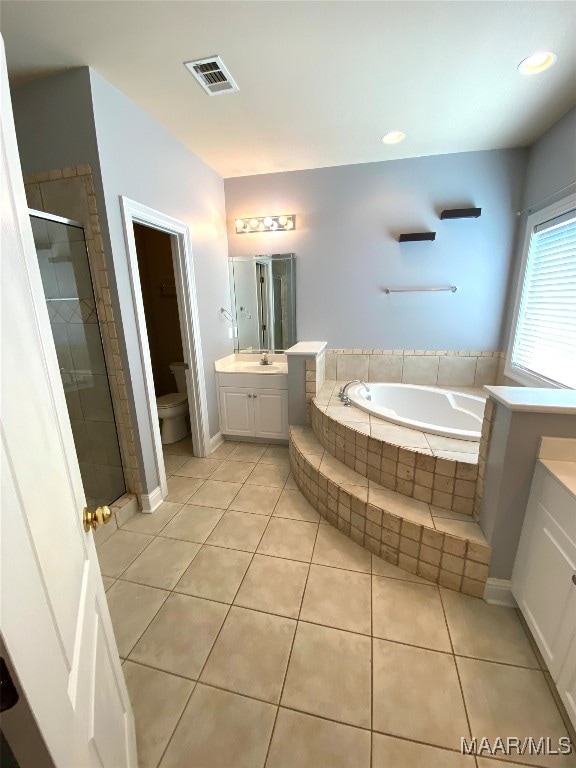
(451,288)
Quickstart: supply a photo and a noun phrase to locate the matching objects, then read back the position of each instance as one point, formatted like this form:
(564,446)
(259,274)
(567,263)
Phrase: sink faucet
(344,397)
(264,359)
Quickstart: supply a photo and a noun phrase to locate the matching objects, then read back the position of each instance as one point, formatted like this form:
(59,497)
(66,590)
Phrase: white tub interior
(430,409)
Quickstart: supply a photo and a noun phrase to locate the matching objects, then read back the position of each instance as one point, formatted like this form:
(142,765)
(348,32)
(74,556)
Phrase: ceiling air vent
(212,75)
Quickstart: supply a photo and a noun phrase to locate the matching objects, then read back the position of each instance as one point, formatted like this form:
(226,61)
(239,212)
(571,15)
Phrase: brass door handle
(99,516)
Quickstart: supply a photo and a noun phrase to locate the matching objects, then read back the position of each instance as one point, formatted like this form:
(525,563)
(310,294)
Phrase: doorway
(178,298)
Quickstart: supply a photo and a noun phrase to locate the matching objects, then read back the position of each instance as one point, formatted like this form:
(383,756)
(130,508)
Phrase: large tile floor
(254,634)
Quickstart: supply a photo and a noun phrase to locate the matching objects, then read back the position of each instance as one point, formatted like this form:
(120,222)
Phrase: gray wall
(348,221)
(142,161)
(77,117)
(552,163)
(510,465)
(551,167)
(55,123)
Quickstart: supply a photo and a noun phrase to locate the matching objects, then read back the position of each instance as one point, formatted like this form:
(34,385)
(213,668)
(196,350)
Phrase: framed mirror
(263,296)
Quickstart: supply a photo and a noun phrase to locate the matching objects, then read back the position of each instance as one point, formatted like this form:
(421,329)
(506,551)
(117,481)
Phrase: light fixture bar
(265,224)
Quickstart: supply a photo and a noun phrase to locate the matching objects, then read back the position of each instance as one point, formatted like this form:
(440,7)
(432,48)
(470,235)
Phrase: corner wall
(348,219)
(551,168)
(77,117)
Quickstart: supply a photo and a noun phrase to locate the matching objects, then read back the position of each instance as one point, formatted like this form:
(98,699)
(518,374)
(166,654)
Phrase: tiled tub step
(445,547)
(449,483)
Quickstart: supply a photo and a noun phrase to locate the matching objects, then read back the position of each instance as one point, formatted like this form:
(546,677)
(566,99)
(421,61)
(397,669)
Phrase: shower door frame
(137,213)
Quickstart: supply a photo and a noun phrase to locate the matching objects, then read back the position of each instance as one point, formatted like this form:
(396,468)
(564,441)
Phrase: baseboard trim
(499,592)
(216,441)
(151,501)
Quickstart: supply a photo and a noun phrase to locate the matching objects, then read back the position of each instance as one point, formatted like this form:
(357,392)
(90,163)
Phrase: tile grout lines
(213,645)
(298,620)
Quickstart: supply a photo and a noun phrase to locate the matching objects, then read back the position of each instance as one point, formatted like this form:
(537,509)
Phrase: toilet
(173,408)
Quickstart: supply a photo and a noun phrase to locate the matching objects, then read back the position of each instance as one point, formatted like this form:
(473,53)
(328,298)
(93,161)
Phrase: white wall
(348,221)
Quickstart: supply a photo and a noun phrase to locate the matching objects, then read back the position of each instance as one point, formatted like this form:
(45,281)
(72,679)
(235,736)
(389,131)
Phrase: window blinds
(545,339)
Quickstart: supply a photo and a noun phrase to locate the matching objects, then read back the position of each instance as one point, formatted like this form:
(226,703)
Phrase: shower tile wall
(71,306)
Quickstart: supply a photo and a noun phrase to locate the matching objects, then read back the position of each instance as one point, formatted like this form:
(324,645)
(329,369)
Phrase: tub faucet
(344,397)
(264,359)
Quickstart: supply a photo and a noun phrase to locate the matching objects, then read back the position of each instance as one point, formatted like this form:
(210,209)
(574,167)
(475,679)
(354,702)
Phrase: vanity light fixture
(537,62)
(393,137)
(265,224)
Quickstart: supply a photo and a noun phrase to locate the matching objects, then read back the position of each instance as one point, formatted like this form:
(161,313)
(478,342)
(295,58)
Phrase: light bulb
(253,223)
(282,220)
(289,224)
(239,225)
(537,62)
(261,227)
(274,225)
(393,137)
(268,221)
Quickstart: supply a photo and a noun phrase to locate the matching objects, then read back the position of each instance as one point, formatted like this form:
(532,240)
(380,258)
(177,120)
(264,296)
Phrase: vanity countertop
(564,472)
(250,363)
(558,455)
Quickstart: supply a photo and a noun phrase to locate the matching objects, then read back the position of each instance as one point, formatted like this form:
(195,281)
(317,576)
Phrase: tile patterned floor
(254,634)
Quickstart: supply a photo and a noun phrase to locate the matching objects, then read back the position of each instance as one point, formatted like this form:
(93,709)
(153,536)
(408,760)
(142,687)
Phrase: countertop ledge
(535,399)
(563,471)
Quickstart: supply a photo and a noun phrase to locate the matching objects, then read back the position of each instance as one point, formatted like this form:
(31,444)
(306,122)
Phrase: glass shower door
(63,260)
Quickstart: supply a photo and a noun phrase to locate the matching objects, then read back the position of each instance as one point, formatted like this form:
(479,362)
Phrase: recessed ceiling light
(393,137)
(537,63)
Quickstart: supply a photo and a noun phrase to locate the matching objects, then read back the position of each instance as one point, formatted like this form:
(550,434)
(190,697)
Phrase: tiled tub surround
(461,368)
(444,547)
(69,192)
(308,652)
(439,470)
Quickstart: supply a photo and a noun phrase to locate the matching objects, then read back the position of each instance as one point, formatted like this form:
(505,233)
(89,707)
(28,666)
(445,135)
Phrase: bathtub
(429,409)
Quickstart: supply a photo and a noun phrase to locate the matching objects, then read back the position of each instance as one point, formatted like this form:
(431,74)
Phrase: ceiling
(320,82)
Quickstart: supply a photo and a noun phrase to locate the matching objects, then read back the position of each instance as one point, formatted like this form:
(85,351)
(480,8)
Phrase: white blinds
(545,339)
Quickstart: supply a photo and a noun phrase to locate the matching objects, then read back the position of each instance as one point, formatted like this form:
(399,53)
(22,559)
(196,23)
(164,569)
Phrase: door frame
(134,212)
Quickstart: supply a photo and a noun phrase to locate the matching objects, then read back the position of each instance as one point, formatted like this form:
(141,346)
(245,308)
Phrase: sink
(242,367)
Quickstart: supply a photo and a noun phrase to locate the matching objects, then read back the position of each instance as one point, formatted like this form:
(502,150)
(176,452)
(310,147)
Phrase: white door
(55,621)
(236,411)
(271,413)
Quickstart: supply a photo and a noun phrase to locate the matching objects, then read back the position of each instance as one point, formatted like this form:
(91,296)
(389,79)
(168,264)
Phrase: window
(542,350)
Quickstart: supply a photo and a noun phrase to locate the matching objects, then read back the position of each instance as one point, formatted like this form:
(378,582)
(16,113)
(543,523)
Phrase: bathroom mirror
(263,296)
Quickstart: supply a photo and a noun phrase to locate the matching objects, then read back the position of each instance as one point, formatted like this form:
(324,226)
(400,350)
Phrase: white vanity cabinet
(544,579)
(253,405)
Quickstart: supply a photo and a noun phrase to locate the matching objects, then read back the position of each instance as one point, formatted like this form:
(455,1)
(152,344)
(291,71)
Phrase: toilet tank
(179,373)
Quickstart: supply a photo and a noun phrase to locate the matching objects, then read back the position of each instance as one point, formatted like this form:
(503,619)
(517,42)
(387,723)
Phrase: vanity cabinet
(254,412)
(253,399)
(544,579)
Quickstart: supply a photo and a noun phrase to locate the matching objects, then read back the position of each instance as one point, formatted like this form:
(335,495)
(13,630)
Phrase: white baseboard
(151,501)
(215,441)
(499,592)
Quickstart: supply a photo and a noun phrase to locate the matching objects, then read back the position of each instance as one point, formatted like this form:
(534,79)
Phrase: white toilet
(173,408)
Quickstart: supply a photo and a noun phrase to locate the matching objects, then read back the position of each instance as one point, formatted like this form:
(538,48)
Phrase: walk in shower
(71,302)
